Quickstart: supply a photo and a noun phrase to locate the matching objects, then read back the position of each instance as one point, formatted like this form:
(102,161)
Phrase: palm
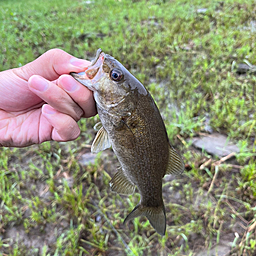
(24,128)
(39,102)
(20,115)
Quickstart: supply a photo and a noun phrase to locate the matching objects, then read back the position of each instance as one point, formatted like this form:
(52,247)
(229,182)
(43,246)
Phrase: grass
(187,57)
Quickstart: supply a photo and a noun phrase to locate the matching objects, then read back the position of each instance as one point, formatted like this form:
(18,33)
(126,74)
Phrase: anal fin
(120,184)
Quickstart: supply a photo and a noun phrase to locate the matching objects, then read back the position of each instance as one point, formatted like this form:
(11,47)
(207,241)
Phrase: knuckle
(56,55)
(55,51)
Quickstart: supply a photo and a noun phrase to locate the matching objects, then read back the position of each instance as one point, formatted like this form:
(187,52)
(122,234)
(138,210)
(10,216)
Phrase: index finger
(52,64)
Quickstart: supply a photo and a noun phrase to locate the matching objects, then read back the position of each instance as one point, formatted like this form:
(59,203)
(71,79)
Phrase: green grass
(187,59)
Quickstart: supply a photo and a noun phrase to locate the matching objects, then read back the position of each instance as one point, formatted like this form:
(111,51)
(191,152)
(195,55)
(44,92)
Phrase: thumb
(52,64)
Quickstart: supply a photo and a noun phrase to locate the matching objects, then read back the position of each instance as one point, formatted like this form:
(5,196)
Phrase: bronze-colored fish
(132,125)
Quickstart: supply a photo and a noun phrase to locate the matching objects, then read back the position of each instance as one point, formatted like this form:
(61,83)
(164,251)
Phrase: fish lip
(95,66)
(99,51)
(90,75)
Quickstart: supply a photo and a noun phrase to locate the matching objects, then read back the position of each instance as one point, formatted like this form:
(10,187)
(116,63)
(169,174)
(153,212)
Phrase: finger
(79,93)
(51,65)
(65,128)
(55,96)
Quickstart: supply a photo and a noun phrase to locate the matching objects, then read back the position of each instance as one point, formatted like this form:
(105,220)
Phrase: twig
(225,158)
(182,140)
(202,166)
(219,162)
(213,179)
(242,226)
(253,226)
(235,166)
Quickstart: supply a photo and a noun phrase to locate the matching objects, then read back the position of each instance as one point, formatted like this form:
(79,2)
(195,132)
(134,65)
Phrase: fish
(132,125)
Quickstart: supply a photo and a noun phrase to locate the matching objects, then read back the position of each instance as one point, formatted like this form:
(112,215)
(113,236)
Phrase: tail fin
(155,215)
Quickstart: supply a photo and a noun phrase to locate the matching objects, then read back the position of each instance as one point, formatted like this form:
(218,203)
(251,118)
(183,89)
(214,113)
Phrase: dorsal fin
(176,164)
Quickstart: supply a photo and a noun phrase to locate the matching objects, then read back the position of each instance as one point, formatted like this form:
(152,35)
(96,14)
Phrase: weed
(186,54)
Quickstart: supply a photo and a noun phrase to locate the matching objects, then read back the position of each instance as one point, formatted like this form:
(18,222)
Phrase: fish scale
(132,125)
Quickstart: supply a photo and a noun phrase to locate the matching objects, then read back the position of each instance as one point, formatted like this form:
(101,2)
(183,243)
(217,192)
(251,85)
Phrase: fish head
(111,82)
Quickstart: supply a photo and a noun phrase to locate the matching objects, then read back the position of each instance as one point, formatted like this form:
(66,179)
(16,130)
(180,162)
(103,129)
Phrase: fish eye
(116,75)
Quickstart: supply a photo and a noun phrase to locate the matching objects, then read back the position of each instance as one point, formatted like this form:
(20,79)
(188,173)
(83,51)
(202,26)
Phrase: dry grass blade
(253,226)
(235,212)
(213,179)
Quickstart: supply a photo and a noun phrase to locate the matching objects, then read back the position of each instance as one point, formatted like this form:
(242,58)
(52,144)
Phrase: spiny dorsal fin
(120,184)
(155,215)
(101,141)
(176,164)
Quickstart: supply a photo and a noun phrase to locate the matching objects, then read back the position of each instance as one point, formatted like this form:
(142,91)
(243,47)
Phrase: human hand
(41,102)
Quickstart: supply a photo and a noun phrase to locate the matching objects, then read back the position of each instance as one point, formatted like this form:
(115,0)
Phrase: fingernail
(49,110)
(79,63)
(40,84)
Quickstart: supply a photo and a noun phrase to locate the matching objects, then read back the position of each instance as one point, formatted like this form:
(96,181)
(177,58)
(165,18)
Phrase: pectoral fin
(97,126)
(120,184)
(155,215)
(176,164)
(101,141)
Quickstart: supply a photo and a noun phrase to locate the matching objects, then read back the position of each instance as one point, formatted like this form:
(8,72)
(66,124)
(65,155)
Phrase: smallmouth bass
(132,125)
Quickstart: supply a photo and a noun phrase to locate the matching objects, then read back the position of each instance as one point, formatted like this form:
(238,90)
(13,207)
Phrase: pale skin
(41,102)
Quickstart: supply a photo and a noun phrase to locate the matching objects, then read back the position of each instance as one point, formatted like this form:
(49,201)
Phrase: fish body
(132,125)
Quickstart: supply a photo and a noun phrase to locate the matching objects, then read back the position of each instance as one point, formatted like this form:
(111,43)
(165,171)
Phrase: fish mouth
(93,73)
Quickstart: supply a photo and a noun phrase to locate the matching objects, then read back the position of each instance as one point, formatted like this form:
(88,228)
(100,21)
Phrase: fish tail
(155,215)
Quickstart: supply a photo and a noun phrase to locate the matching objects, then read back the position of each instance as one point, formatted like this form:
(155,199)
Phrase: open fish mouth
(93,73)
